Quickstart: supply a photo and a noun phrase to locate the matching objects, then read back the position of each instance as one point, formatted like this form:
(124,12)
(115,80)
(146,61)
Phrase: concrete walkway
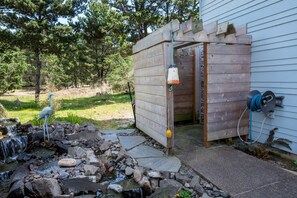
(238,173)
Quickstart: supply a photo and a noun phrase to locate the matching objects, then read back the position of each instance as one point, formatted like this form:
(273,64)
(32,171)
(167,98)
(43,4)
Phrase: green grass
(105,111)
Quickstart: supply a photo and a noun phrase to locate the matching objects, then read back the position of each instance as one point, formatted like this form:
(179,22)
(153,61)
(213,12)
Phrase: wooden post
(170,99)
(205,95)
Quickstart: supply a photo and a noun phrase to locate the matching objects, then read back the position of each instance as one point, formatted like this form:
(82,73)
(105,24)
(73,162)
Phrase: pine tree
(12,67)
(33,25)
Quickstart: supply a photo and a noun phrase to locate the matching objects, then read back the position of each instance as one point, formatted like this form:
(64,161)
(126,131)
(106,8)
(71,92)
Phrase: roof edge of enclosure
(194,32)
(151,58)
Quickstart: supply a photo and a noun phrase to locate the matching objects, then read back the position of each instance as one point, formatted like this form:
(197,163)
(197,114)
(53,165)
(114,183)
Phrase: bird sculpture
(46,114)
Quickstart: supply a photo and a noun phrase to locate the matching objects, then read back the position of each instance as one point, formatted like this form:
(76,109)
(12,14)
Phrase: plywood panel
(228,77)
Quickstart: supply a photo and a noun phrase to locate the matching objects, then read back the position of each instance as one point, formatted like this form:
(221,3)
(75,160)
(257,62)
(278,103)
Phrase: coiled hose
(254,106)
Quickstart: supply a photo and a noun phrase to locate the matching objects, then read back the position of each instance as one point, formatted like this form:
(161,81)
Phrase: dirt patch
(272,155)
(65,93)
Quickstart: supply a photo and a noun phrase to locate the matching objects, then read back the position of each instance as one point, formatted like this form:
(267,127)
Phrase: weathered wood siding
(273,26)
(228,76)
(184,92)
(150,92)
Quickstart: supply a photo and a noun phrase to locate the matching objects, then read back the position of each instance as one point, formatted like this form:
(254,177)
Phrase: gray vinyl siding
(273,25)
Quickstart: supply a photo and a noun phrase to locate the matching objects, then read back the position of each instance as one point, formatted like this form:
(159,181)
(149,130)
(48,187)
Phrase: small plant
(279,141)
(36,122)
(72,118)
(184,194)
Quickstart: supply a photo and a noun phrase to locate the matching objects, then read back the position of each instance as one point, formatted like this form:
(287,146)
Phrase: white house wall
(273,26)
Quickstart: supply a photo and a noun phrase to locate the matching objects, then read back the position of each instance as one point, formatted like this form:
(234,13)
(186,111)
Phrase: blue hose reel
(265,103)
(260,102)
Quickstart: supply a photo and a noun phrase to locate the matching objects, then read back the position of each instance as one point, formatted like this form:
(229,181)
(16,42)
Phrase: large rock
(77,185)
(19,173)
(61,147)
(170,183)
(67,162)
(84,136)
(182,178)
(137,174)
(91,157)
(58,133)
(195,184)
(164,192)
(77,152)
(105,146)
(87,127)
(145,184)
(90,169)
(46,187)
(154,183)
(17,190)
(116,187)
(154,174)
(35,135)
(129,171)
(25,128)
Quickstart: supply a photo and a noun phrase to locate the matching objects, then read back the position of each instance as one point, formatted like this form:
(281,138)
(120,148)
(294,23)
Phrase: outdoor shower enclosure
(214,72)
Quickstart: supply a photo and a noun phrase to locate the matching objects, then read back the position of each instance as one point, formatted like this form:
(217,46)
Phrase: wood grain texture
(205,91)
(150,71)
(158,100)
(170,97)
(228,77)
(226,133)
(160,35)
(150,92)
(149,106)
(185,99)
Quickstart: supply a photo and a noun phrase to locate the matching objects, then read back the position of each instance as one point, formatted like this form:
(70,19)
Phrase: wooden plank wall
(184,92)
(150,92)
(228,82)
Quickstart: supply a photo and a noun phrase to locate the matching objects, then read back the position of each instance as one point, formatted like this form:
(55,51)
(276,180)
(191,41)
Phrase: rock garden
(82,161)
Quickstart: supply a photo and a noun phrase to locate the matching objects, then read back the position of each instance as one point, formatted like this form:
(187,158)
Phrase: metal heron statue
(46,114)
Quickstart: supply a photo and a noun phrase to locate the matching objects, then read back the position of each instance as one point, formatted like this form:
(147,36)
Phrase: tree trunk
(75,79)
(38,69)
